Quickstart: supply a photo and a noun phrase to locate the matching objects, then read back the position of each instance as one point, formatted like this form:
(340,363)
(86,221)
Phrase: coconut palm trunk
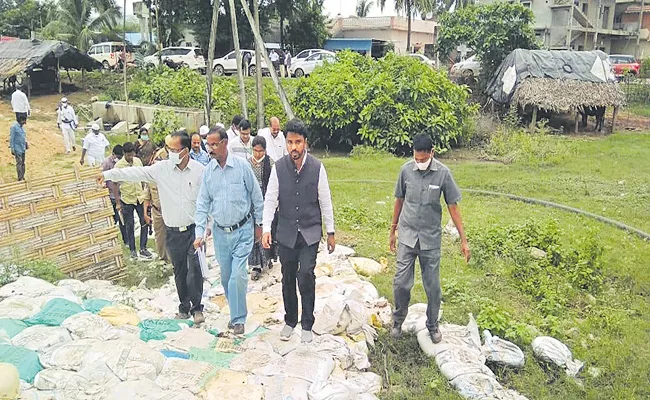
(259,87)
(208,70)
(240,72)
(409,13)
(260,44)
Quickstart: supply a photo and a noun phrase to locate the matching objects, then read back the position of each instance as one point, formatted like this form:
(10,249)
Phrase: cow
(597,111)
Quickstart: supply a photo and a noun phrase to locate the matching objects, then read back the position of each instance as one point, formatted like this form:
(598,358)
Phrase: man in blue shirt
(18,144)
(233,198)
(197,153)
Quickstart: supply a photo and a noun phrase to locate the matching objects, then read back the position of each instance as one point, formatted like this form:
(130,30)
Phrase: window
(303,54)
(106,49)
(585,7)
(230,56)
(526,4)
(92,50)
(165,52)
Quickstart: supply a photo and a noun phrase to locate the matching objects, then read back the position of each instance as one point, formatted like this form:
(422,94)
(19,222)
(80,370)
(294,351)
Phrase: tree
(307,25)
(19,18)
(284,9)
(80,22)
(363,8)
(491,30)
(410,7)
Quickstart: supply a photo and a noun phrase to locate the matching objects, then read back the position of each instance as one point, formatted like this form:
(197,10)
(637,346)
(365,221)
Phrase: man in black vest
(299,189)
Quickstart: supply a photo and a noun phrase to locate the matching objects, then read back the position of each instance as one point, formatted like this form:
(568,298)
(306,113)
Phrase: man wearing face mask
(418,214)
(94,147)
(178,180)
(67,121)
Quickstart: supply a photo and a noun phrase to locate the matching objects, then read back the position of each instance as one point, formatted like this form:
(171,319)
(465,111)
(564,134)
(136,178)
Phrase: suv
(307,65)
(624,65)
(190,57)
(227,64)
(109,53)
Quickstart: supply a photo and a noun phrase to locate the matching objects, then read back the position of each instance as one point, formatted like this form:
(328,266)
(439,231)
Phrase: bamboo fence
(67,219)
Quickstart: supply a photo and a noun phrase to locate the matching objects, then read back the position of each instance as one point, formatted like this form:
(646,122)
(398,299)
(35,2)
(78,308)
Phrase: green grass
(609,176)
(642,110)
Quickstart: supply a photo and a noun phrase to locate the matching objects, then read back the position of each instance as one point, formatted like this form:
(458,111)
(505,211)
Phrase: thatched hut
(556,82)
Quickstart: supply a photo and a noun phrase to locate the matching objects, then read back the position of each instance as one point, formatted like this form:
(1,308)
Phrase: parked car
(190,57)
(624,65)
(307,66)
(108,53)
(467,68)
(227,64)
(304,54)
(424,59)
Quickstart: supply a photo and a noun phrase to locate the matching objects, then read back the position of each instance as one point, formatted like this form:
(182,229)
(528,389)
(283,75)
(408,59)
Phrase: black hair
(259,140)
(128,147)
(244,124)
(217,130)
(422,142)
(186,141)
(237,119)
(296,126)
(118,150)
(143,129)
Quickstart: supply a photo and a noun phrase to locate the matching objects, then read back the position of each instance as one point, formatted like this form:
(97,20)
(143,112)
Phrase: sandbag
(25,360)
(416,319)
(9,382)
(33,394)
(39,337)
(178,374)
(95,305)
(219,360)
(184,339)
(366,266)
(551,350)
(11,327)
(502,352)
(363,382)
(272,338)
(461,355)
(86,325)
(19,307)
(146,390)
(79,288)
(128,359)
(335,347)
(477,386)
(254,360)
(69,356)
(282,387)
(26,286)
(59,380)
(447,343)
(119,315)
(305,364)
(155,329)
(451,370)
(324,390)
(55,312)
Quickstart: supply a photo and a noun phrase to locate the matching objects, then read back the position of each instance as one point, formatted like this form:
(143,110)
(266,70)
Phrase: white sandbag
(452,370)
(477,386)
(26,286)
(128,359)
(335,347)
(9,382)
(99,378)
(333,319)
(305,364)
(451,231)
(366,266)
(146,390)
(40,337)
(33,394)
(19,307)
(252,360)
(239,392)
(551,350)
(324,390)
(449,342)
(461,355)
(279,346)
(68,356)
(282,387)
(360,354)
(363,382)
(59,380)
(79,288)
(59,293)
(178,374)
(185,338)
(416,319)
(86,325)
(366,396)
(501,351)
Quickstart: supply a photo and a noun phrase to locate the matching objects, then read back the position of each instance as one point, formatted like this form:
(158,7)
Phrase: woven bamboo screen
(65,218)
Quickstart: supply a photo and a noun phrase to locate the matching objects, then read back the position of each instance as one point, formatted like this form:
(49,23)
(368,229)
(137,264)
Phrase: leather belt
(235,227)
(181,228)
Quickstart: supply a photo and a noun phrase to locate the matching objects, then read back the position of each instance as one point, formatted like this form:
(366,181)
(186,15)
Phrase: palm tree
(80,22)
(410,7)
(363,8)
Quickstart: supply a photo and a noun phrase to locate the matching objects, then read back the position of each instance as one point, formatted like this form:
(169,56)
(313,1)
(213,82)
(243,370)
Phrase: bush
(644,72)
(164,123)
(46,270)
(383,103)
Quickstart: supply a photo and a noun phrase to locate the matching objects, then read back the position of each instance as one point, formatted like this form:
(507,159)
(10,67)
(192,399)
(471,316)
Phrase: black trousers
(129,222)
(20,166)
(187,271)
(19,114)
(119,223)
(298,263)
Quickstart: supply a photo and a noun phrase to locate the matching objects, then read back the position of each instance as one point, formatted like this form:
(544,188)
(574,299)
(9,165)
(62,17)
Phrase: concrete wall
(141,114)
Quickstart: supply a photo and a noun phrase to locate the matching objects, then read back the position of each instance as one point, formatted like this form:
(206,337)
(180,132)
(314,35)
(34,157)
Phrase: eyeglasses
(215,145)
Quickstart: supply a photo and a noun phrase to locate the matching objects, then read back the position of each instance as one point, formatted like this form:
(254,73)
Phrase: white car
(468,68)
(109,53)
(227,64)
(307,66)
(302,56)
(424,59)
(190,57)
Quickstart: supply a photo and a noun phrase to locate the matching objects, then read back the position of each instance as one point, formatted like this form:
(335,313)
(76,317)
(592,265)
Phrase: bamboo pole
(260,43)
(258,77)
(58,73)
(208,71)
(614,119)
(240,73)
(533,121)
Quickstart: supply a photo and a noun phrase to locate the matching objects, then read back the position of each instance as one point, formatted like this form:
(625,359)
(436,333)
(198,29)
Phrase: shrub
(42,269)
(164,123)
(644,72)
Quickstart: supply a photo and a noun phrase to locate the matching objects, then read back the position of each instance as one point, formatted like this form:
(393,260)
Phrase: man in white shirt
(20,104)
(94,147)
(233,131)
(276,145)
(178,180)
(242,145)
(67,120)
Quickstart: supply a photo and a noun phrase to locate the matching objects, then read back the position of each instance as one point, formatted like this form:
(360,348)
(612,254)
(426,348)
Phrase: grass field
(607,176)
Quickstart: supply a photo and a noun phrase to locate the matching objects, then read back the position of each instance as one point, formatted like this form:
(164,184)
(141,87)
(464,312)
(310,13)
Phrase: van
(109,53)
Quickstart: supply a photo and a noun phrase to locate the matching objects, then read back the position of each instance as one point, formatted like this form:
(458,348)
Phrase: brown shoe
(198,318)
(181,315)
(238,329)
(436,335)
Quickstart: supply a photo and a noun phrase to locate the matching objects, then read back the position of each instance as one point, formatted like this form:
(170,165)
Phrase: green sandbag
(154,329)
(25,360)
(216,358)
(55,312)
(96,305)
(12,327)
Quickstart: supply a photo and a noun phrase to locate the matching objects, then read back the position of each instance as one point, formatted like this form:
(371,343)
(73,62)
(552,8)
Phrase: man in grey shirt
(418,215)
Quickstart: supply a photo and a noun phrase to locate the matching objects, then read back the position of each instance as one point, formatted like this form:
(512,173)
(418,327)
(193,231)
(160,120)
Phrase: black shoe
(134,255)
(436,336)
(238,329)
(181,315)
(144,253)
(255,274)
(230,325)
(396,332)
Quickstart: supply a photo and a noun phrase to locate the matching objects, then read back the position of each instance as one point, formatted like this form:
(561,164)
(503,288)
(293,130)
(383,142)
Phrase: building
(627,18)
(386,29)
(147,23)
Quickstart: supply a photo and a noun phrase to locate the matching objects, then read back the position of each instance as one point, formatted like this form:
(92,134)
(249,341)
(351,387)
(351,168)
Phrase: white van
(109,53)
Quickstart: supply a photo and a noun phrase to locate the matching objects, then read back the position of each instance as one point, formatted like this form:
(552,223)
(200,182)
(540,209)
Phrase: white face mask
(423,166)
(175,158)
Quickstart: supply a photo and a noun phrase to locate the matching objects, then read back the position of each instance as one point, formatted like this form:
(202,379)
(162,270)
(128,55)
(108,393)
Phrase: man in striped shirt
(242,146)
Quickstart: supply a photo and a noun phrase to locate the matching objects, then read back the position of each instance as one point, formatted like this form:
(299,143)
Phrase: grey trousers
(405,279)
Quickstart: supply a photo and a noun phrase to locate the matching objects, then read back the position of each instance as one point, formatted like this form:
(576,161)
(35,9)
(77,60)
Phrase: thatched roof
(564,95)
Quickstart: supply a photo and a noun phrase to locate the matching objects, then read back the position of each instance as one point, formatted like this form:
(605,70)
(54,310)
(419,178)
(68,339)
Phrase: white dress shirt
(276,147)
(95,145)
(178,189)
(232,134)
(19,102)
(271,198)
(68,114)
